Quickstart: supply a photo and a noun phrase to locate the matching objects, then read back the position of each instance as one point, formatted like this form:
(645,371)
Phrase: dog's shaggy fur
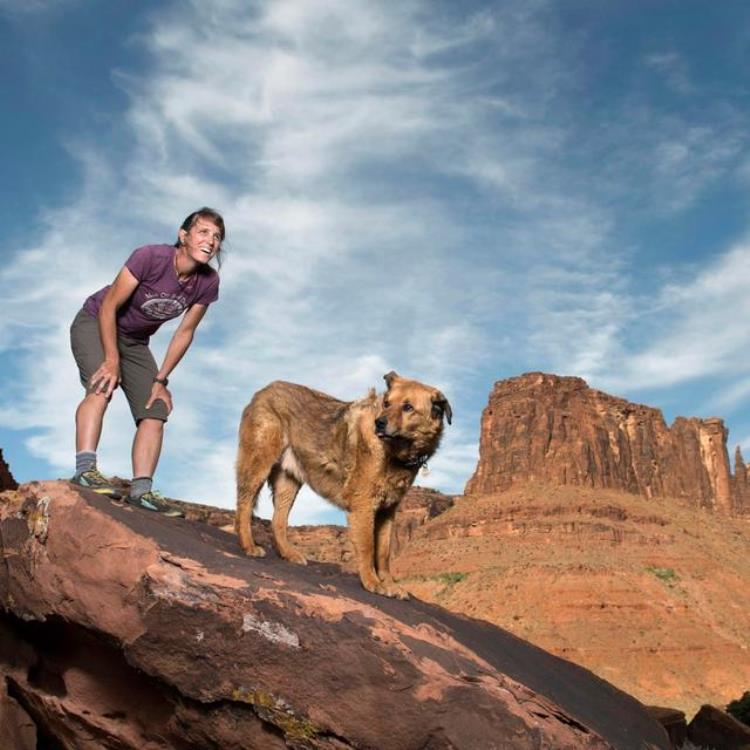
(362,456)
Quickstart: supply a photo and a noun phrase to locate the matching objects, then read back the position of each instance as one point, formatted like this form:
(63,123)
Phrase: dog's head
(410,418)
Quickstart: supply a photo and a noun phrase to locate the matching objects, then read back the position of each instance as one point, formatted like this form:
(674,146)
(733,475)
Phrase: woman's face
(202,241)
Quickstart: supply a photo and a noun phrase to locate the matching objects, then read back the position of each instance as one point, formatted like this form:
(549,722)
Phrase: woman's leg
(87,350)
(89,418)
(147,447)
(138,370)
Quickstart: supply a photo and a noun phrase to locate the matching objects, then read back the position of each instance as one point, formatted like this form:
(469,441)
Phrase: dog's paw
(396,592)
(255,551)
(391,590)
(295,556)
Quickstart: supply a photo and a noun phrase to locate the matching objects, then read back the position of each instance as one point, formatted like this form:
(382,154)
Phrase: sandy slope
(654,596)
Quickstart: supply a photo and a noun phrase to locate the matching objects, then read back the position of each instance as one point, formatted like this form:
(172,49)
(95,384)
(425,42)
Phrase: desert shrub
(450,578)
(663,574)
(447,579)
(740,708)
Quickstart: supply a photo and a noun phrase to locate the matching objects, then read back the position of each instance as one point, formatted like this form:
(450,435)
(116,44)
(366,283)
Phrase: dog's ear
(389,377)
(441,402)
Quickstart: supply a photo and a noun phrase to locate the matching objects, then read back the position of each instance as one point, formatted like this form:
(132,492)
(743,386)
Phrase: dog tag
(425,470)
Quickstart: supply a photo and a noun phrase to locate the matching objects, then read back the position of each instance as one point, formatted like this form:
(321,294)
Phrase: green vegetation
(664,574)
(448,579)
(451,578)
(740,708)
(273,710)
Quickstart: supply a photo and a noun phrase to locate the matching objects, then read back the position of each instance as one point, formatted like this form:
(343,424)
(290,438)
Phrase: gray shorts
(137,366)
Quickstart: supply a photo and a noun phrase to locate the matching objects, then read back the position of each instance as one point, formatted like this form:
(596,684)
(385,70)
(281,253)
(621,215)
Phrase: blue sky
(461,192)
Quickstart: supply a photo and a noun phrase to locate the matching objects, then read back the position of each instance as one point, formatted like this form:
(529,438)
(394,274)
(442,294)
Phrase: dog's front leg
(362,530)
(383,533)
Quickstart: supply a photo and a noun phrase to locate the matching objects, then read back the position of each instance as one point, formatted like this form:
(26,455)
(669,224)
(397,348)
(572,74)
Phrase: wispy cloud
(701,330)
(333,277)
(405,188)
(28,7)
(674,69)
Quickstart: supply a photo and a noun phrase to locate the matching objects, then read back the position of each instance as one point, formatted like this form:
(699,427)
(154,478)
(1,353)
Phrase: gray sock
(140,486)
(85,461)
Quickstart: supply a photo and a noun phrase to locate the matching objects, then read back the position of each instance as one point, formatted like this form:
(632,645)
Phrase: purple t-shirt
(159,296)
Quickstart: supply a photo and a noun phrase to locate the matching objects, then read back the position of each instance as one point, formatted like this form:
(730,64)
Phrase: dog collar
(419,462)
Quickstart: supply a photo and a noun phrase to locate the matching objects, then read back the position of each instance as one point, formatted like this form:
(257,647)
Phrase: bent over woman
(110,337)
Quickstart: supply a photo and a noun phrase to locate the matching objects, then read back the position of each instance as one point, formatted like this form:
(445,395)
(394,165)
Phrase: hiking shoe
(95,481)
(154,501)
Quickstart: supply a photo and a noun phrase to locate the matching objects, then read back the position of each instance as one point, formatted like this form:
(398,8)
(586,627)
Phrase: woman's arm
(179,344)
(107,377)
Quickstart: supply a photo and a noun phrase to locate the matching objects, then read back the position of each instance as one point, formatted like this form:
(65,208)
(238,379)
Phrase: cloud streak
(404,188)
(700,330)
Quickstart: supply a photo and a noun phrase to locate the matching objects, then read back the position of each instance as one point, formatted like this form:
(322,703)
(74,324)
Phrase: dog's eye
(407,407)
(386,403)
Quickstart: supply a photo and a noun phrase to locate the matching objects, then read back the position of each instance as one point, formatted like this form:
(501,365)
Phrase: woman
(110,337)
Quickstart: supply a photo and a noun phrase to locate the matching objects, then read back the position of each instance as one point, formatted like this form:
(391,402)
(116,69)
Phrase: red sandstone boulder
(123,629)
(674,723)
(712,727)
(17,729)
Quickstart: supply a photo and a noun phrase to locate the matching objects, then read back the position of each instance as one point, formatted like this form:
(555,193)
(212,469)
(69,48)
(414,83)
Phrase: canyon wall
(557,430)
(741,484)
(7,482)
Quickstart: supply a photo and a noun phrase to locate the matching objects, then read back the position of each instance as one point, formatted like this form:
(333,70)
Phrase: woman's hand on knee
(160,391)
(106,378)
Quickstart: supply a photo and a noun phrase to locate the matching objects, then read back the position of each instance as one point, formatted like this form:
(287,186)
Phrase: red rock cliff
(741,483)
(554,429)
(7,482)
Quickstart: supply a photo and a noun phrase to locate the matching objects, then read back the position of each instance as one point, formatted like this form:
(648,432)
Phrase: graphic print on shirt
(163,306)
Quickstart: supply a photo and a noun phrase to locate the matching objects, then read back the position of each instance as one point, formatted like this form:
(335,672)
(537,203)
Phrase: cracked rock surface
(123,629)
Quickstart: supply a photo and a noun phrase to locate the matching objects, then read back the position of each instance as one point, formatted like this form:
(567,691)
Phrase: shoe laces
(95,475)
(153,494)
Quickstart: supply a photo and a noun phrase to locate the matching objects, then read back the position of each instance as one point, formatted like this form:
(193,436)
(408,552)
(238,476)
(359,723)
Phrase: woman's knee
(95,402)
(150,424)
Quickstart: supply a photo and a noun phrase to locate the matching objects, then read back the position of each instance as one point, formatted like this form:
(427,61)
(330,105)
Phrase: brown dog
(361,455)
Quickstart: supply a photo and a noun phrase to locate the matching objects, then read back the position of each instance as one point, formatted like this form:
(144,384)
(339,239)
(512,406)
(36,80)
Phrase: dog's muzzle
(381,423)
